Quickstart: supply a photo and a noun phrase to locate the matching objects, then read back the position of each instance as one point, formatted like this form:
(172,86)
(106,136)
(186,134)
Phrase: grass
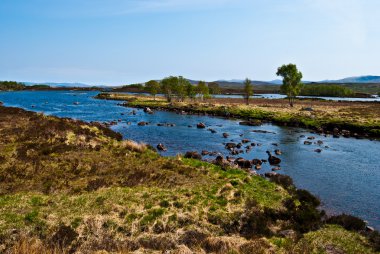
(71,186)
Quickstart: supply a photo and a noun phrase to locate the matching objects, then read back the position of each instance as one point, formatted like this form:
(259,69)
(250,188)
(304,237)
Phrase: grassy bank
(71,187)
(360,119)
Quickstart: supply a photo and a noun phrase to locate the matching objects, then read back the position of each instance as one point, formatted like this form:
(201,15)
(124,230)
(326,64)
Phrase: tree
(248,90)
(214,88)
(191,91)
(153,87)
(168,85)
(175,87)
(291,83)
(181,88)
(202,89)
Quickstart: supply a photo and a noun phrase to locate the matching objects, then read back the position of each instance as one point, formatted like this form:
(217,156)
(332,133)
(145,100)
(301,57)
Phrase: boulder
(251,123)
(346,133)
(148,110)
(204,152)
(193,155)
(201,126)
(161,147)
(142,123)
(257,162)
(230,146)
(243,163)
(272,159)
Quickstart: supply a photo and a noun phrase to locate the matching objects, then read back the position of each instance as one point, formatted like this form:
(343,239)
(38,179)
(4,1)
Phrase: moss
(335,237)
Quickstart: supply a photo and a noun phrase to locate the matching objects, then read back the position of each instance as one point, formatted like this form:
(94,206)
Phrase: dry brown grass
(134,146)
(33,246)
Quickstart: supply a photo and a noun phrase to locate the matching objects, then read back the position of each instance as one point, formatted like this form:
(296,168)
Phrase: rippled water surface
(346,175)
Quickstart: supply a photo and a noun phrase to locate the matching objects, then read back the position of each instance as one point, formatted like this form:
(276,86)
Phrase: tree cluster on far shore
(179,89)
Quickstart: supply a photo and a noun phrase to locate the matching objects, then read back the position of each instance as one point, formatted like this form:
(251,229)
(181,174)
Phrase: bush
(283,180)
(307,198)
(349,222)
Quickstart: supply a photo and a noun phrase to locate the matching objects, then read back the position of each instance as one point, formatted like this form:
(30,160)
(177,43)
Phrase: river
(345,175)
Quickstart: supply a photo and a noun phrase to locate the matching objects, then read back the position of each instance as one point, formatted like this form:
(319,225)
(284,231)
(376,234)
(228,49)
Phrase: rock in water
(193,155)
(272,159)
(201,126)
(161,147)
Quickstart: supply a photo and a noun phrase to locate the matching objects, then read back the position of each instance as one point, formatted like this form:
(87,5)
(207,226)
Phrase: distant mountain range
(233,82)
(53,84)
(360,79)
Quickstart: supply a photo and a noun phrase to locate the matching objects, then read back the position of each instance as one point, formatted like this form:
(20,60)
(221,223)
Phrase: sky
(115,42)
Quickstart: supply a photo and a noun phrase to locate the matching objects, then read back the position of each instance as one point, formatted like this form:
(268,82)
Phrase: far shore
(337,118)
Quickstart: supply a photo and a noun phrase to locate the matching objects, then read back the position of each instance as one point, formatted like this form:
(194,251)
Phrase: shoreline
(336,127)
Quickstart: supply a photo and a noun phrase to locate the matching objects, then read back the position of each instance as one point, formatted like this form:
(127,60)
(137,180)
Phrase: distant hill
(52,84)
(360,79)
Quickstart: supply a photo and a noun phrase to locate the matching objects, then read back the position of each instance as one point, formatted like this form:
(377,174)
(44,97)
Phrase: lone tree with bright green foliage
(202,89)
(248,90)
(153,87)
(291,83)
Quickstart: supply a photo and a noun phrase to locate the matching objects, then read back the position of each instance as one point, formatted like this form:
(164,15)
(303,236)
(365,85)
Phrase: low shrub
(349,222)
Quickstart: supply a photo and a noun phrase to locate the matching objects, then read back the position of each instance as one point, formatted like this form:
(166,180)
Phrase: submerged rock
(212,130)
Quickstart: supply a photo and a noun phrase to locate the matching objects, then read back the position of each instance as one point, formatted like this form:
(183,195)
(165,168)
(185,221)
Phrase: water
(345,175)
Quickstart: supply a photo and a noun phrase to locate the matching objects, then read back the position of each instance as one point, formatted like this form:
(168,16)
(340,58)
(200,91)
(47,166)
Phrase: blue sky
(125,41)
